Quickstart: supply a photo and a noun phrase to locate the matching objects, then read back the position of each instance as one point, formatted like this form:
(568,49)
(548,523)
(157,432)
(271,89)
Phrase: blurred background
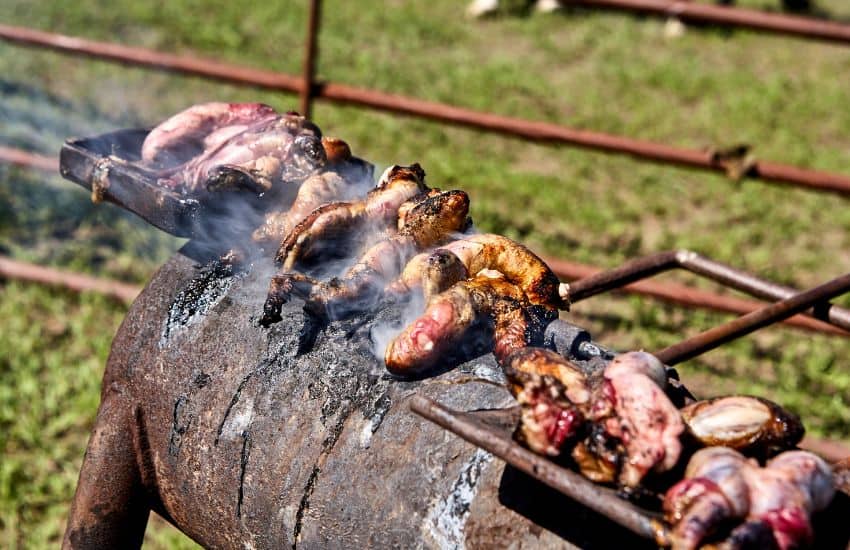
(598,70)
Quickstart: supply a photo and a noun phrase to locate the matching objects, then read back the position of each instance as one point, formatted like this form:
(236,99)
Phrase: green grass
(600,71)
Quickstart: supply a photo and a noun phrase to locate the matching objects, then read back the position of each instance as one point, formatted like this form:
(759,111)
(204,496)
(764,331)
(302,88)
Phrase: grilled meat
(547,419)
(188,133)
(553,395)
(544,362)
(722,487)
(313,193)
(635,410)
(220,146)
(331,222)
(494,252)
(631,428)
(429,222)
(752,425)
(450,314)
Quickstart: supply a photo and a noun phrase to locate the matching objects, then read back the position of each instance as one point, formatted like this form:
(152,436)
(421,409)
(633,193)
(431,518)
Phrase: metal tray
(112,160)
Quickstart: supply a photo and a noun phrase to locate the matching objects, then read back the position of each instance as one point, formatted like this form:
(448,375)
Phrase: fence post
(309,69)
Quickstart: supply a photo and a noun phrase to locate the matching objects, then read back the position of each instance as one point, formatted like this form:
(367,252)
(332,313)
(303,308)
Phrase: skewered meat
(749,424)
(488,251)
(631,425)
(220,146)
(721,485)
(450,314)
(551,393)
(644,418)
(428,223)
(331,221)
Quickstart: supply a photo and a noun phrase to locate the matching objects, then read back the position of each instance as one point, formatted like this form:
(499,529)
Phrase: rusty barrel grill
(222,427)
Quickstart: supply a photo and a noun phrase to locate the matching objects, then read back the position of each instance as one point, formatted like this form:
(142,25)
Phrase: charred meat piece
(752,425)
(641,415)
(548,419)
(551,392)
(450,314)
(544,362)
(331,222)
(517,263)
(722,487)
(431,221)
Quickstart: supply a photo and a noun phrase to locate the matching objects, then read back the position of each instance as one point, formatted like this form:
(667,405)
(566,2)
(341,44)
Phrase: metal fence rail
(695,12)
(536,131)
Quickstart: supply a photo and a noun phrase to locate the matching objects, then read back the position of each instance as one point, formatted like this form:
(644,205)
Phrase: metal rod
(561,479)
(310,54)
(751,322)
(691,261)
(686,296)
(25,159)
(696,12)
(12,269)
(542,132)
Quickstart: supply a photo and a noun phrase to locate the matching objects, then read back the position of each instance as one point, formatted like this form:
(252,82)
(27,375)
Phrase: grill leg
(110,508)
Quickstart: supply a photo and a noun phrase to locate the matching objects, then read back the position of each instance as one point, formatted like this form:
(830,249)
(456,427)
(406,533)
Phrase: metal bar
(12,269)
(700,265)
(751,322)
(142,57)
(542,132)
(310,54)
(561,479)
(25,159)
(695,12)
(686,296)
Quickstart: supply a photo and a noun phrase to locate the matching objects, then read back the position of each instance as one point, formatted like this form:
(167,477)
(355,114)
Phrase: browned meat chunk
(751,425)
(376,213)
(450,314)
(517,263)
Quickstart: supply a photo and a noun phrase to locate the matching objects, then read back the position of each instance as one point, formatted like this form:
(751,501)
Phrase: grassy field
(602,71)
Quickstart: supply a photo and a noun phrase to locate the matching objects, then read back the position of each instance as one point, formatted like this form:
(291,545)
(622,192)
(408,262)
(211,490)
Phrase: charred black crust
(304,225)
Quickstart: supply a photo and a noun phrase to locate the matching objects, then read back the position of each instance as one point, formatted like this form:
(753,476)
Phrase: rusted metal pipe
(12,269)
(697,12)
(541,132)
(719,335)
(691,261)
(310,54)
(686,296)
(25,159)
(142,57)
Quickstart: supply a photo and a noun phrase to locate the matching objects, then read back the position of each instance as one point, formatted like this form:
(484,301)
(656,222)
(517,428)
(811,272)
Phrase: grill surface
(240,442)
